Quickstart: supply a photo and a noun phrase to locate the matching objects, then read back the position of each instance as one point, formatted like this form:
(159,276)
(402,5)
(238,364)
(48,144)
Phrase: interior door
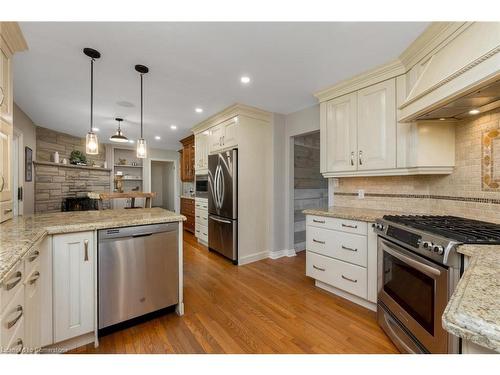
(377,126)
(340,129)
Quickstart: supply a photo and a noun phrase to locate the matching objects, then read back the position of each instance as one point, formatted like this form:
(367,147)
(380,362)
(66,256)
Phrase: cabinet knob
(86,248)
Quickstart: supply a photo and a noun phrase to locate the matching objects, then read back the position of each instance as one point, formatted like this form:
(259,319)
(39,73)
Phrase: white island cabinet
(341,255)
(74,256)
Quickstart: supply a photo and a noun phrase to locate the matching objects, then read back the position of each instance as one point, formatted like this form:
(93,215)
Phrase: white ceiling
(191,65)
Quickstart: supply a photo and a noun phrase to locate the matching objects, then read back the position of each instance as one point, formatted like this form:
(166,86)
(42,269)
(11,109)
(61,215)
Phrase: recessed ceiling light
(95,129)
(245,79)
(130,141)
(173,127)
(198,110)
(474,111)
(206,132)
(157,137)
(442,119)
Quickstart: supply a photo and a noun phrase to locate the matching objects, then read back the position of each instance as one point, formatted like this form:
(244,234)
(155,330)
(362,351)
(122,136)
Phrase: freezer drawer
(223,236)
(138,271)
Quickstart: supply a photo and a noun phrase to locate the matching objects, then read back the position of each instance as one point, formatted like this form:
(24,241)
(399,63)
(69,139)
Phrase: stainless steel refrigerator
(223,204)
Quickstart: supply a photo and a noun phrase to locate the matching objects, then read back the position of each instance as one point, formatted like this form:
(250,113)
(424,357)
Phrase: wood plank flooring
(265,307)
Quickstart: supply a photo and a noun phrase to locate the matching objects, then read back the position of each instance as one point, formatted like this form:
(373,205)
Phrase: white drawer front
(201,204)
(201,216)
(349,226)
(32,260)
(17,342)
(12,317)
(339,274)
(10,285)
(201,232)
(348,247)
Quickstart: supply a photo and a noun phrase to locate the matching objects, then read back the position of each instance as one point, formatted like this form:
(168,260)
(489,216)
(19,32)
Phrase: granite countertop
(18,235)
(350,213)
(473,312)
(186,197)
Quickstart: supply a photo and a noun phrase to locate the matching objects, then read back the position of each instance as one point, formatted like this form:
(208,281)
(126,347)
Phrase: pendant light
(141,142)
(119,137)
(91,143)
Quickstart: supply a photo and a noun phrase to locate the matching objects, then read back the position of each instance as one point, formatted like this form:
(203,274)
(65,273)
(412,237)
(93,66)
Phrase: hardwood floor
(265,307)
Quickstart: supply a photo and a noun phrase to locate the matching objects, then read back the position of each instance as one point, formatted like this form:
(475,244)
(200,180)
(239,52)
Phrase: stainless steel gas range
(418,271)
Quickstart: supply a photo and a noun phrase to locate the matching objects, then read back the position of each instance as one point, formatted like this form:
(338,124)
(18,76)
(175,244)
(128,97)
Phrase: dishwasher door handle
(141,235)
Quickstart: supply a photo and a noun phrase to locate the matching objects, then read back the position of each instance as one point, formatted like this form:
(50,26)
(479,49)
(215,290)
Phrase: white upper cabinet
(377,126)
(223,136)
(73,277)
(201,152)
(338,133)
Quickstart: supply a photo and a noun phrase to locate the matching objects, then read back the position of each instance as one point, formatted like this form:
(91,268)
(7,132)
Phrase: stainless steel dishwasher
(138,271)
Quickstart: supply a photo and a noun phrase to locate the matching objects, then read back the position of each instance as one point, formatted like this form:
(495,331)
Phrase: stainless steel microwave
(201,186)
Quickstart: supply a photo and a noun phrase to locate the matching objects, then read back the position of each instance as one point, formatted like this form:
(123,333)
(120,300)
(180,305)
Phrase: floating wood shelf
(52,164)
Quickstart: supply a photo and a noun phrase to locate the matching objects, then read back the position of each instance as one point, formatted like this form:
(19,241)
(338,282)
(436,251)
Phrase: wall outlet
(361,194)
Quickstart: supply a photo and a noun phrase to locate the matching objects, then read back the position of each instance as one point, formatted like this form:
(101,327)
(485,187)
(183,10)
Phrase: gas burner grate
(452,227)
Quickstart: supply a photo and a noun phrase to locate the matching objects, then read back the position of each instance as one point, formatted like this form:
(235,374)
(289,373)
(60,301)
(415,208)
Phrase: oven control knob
(427,245)
(438,249)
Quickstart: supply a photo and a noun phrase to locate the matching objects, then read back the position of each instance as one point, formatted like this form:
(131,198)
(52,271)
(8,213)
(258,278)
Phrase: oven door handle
(424,268)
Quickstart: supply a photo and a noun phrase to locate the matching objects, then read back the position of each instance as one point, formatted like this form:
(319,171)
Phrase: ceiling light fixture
(474,111)
(130,141)
(95,129)
(198,110)
(119,137)
(157,137)
(442,119)
(173,127)
(91,141)
(141,142)
(245,79)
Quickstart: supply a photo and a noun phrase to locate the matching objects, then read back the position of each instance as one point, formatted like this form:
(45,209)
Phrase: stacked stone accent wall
(53,183)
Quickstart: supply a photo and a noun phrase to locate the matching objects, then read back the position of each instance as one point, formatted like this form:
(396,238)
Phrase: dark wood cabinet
(187,159)
(187,209)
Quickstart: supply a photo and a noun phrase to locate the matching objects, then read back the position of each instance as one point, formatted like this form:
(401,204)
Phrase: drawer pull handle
(205,234)
(348,248)
(86,247)
(34,278)
(318,241)
(7,211)
(34,255)
(13,322)
(348,279)
(21,344)
(198,216)
(349,226)
(14,281)
(318,221)
(318,268)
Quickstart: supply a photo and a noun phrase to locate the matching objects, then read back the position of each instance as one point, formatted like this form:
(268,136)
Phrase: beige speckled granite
(350,213)
(18,235)
(473,312)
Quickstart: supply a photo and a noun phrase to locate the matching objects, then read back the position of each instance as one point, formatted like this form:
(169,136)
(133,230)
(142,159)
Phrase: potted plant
(78,158)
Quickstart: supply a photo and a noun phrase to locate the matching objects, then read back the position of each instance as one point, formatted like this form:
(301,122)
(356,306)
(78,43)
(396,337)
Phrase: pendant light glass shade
(118,136)
(91,142)
(142,149)
(141,142)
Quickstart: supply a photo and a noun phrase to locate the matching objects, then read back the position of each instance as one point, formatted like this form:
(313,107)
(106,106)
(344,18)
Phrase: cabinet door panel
(73,285)
(377,126)
(341,134)
(33,301)
(215,138)
(229,137)
(5,83)
(5,161)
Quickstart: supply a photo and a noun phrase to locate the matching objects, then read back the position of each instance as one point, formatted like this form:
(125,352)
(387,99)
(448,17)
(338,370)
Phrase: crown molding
(12,35)
(371,77)
(230,112)
(435,37)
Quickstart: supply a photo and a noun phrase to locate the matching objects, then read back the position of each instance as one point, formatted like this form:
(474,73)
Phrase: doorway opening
(163,183)
(310,188)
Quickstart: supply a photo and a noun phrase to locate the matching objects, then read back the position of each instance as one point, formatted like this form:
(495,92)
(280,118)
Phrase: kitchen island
(38,281)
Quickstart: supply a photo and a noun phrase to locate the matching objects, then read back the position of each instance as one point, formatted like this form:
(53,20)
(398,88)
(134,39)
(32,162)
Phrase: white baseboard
(253,258)
(351,297)
(282,253)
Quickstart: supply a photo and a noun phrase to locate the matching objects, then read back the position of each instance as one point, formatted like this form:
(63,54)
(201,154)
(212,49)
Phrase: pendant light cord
(142,104)
(91,95)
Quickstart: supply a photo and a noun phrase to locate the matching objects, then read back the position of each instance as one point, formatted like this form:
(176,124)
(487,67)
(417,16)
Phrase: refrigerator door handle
(220,220)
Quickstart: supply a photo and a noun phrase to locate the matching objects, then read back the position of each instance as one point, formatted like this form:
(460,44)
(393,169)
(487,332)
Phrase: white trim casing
(282,253)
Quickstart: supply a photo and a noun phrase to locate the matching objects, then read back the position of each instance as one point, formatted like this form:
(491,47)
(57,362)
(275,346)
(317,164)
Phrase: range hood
(460,76)
(480,100)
